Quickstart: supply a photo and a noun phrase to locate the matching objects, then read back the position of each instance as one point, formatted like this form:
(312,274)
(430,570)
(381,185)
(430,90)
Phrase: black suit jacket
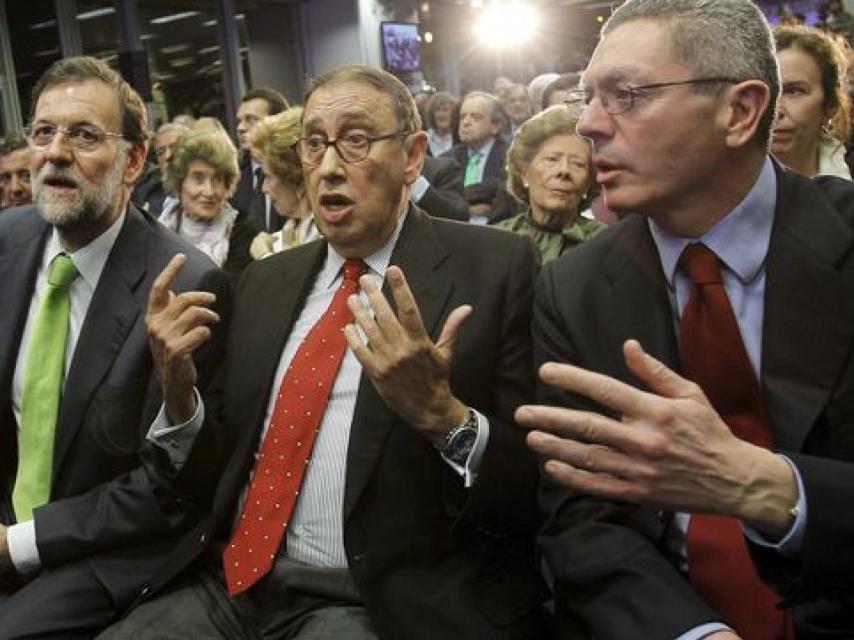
(611,560)
(430,558)
(252,204)
(112,501)
(492,189)
(445,197)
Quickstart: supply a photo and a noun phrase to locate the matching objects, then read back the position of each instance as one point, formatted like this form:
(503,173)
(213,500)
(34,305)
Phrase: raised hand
(178,324)
(669,450)
(409,371)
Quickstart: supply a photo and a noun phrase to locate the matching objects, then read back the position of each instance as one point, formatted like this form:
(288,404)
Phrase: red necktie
(287,446)
(713,355)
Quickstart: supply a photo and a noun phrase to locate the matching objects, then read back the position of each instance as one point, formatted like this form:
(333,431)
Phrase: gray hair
(172,127)
(728,38)
(404,104)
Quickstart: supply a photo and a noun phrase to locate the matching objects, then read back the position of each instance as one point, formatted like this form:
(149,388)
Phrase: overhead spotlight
(508,23)
(600,19)
(476,4)
(425,7)
(428,37)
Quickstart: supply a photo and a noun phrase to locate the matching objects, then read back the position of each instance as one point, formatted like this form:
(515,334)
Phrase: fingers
(600,388)
(159,295)
(655,374)
(451,329)
(407,309)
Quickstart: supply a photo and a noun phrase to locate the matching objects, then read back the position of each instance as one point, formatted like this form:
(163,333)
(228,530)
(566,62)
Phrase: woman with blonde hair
(812,122)
(549,169)
(203,173)
(274,140)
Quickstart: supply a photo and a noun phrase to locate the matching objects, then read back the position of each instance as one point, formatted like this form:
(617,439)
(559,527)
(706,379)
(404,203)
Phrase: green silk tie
(472,169)
(43,376)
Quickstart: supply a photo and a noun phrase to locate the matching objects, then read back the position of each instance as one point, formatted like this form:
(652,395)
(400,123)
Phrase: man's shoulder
(840,193)
(19,224)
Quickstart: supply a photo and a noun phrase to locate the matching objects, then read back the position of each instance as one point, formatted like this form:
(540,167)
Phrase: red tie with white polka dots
(287,446)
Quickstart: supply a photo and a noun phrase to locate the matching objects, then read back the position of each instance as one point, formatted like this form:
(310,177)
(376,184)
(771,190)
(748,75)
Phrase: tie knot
(62,271)
(353,268)
(700,264)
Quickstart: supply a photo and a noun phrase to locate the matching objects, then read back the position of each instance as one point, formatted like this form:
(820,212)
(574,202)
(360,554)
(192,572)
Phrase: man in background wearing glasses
(712,502)
(86,501)
(401,504)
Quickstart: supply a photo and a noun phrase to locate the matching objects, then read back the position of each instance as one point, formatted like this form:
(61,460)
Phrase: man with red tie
(700,373)
(377,486)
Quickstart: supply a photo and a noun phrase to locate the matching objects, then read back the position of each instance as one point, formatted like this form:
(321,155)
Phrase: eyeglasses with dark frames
(621,99)
(81,137)
(350,147)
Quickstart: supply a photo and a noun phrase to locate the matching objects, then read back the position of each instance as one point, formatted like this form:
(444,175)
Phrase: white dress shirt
(89,261)
(315,532)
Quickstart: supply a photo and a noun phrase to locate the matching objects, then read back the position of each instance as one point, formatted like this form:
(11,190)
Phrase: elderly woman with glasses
(202,174)
(549,170)
(274,140)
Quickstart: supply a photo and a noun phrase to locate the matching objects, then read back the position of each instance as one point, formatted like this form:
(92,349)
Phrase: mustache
(58,176)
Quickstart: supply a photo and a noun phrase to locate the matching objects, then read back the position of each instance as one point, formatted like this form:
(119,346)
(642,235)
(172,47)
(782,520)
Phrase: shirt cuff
(177,440)
(23,552)
(792,544)
(419,188)
(704,630)
(472,466)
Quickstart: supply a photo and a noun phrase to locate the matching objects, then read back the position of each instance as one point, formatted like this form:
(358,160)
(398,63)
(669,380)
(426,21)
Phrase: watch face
(460,445)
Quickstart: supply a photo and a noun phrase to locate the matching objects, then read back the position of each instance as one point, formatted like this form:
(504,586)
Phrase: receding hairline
(352,111)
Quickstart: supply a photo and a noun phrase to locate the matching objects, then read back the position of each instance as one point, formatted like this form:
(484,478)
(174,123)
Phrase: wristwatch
(460,441)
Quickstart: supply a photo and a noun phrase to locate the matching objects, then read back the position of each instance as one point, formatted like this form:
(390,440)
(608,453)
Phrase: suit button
(145,591)
(203,539)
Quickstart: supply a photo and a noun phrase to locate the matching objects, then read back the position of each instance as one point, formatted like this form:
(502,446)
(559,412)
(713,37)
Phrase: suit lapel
(809,308)
(112,313)
(638,291)
(423,258)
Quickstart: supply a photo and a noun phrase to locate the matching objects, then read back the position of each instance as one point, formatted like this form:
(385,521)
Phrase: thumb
(655,374)
(448,337)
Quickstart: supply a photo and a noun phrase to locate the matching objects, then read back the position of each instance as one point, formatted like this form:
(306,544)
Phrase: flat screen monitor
(401,47)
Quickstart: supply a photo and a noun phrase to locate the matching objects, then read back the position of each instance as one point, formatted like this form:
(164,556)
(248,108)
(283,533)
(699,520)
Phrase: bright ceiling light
(172,17)
(508,23)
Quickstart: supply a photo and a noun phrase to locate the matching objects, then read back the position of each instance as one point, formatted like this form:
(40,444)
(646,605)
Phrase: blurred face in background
(476,125)
(558,177)
(442,117)
(15,178)
(517,105)
(164,145)
(283,194)
(800,110)
(249,114)
(203,191)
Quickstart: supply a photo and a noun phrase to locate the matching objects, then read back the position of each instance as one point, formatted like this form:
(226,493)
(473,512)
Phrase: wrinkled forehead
(636,51)
(348,104)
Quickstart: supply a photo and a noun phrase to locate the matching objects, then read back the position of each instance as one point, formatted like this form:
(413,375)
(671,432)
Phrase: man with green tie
(481,153)
(87,506)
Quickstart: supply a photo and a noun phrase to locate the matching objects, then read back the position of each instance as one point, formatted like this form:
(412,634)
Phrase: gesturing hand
(178,324)
(670,450)
(409,371)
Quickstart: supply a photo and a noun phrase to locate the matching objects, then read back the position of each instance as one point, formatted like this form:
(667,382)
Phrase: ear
(135,164)
(743,111)
(414,148)
(495,128)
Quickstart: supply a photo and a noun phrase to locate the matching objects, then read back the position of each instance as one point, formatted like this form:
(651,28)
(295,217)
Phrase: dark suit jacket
(611,560)
(430,558)
(253,204)
(445,198)
(492,189)
(110,506)
(149,193)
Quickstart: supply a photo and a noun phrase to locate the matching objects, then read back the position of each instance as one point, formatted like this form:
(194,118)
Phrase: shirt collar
(90,259)
(485,148)
(377,262)
(740,239)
